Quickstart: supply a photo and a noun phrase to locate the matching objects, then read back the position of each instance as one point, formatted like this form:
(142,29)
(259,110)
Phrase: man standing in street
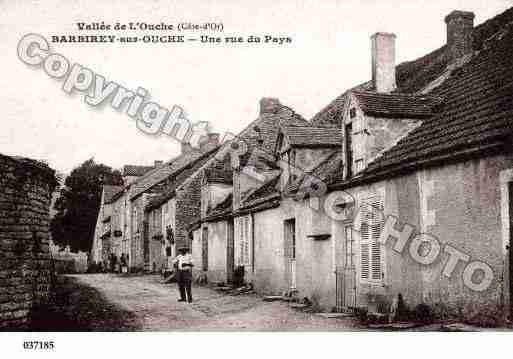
(184,274)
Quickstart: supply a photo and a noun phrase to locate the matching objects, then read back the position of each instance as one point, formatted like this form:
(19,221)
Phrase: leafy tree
(79,202)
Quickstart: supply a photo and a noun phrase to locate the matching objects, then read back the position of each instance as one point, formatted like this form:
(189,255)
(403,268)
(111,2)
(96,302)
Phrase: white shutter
(241,240)
(371,264)
(245,241)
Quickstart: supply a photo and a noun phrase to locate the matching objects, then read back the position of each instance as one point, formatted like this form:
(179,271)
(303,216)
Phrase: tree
(79,202)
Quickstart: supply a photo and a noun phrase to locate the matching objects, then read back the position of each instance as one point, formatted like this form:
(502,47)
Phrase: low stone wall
(25,263)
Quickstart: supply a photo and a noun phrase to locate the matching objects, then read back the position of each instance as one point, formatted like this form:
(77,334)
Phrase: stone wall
(25,264)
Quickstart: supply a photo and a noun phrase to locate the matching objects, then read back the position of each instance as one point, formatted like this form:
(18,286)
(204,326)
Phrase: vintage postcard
(272,166)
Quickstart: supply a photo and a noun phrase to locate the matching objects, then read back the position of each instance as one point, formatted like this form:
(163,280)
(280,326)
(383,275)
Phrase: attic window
(352,113)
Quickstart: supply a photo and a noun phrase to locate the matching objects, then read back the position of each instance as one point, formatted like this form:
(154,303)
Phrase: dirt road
(111,303)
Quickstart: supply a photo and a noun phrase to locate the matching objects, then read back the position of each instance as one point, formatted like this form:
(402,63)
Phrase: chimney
(158,163)
(269,105)
(459,33)
(186,148)
(209,142)
(383,62)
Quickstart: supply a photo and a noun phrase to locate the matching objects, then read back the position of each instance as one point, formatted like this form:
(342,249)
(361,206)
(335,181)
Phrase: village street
(109,302)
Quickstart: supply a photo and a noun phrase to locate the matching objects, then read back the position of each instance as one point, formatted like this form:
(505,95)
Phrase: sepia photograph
(339,170)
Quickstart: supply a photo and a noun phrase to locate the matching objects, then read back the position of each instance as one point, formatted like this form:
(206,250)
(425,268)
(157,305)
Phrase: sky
(221,84)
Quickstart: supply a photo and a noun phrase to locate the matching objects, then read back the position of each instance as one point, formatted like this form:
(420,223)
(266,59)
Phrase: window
(371,266)
(352,113)
(349,150)
(290,238)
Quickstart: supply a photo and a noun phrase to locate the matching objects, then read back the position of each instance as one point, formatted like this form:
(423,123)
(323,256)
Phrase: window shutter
(371,226)
(246,241)
(245,237)
(365,245)
(241,241)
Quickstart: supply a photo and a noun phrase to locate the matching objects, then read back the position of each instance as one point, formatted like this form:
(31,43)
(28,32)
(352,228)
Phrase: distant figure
(184,266)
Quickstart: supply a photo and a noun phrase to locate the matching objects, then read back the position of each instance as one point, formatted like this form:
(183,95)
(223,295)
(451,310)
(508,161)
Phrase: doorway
(230,252)
(290,252)
(345,274)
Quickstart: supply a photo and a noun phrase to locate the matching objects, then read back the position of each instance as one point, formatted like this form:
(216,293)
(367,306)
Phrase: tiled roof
(263,132)
(328,171)
(413,76)
(159,174)
(396,105)
(133,170)
(309,136)
(266,190)
(224,208)
(110,191)
(477,109)
(179,177)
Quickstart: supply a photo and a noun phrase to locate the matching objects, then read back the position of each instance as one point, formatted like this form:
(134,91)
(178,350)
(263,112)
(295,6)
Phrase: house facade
(102,241)
(420,156)
(398,191)
(113,228)
(174,204)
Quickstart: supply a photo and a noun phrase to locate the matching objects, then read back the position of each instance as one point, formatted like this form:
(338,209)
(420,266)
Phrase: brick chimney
(459,33)
(209,142)
(269,105)
(383,62)
(158,163)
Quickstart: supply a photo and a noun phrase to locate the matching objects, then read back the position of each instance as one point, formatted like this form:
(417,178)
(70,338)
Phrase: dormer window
(349,149)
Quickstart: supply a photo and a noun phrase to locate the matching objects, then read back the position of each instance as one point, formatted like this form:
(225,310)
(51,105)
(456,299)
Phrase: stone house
(101,248)
(112,226)
(153,186)
(427,143)
(221,237)
(170,212)
(424,157)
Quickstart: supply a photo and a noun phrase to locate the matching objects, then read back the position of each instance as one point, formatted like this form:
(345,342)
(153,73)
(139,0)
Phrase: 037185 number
(39,345)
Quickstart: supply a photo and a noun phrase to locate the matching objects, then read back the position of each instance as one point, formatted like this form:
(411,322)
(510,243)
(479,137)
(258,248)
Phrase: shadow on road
(75,306)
